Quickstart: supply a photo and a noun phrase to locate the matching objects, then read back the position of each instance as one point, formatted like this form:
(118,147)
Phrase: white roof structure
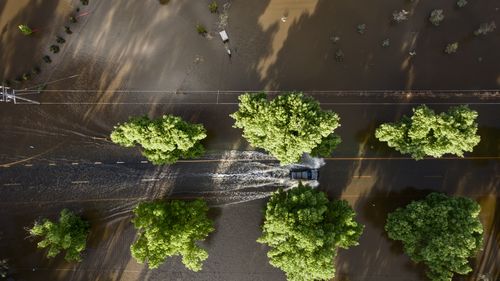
(223,35)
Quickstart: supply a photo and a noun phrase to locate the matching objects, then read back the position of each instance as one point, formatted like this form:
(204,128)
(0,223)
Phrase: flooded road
(61,157)
(106,193)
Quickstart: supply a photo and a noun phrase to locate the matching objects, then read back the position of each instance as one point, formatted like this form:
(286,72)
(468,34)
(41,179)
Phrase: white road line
(79,182)
(97,163)
(120,162)
(149,180)
(74,163)
(11,184)
(144,162)
(28,165)
(52,164)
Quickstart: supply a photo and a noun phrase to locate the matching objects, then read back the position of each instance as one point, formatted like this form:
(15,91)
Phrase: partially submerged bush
(201,29)
(485,28)
(60,40)
(47,59)
(386,43)
(451,48)
(461,3)
(437,16)
(54,49)
(27,76)
(25,29)
(213,7)
(339,55)
(399,16)
(4,268)
(361,28)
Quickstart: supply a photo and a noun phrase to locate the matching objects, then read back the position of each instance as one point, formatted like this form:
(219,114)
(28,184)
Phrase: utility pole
(8,94)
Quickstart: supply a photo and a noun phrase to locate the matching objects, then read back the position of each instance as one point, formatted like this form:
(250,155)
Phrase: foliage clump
(361,28)
(304,230)
(287,126)
(25,29)
(437,16)
(485,28)
(69,234)
(213,7)
(4,268)
(169,229)
(461,3)
(200,28)
(429,134)
(164,140)
(451,48)
(440,231)
(400,16)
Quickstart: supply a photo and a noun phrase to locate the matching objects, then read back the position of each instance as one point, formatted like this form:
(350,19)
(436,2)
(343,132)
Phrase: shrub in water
(451,48)
(201,29)
(54,49)
(485,28)
(399,16)
(461,3)
(437,16)
(60,40)
(26,76)
(213,7)
(47,59)
(26,30)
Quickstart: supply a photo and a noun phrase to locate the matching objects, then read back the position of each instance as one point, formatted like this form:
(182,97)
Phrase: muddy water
(142,46)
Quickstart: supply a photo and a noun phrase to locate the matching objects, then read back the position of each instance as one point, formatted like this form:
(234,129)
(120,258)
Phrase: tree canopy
(69,234)
(164,140)
(169,229)
(287,126)
(440,231)
(429,134)
(304,229)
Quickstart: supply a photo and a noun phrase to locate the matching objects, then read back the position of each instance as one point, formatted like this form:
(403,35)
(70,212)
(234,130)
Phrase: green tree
(169,229)
(69,234)
(431,134)
(304,230)
(164,140)
(440,231)
(288,126)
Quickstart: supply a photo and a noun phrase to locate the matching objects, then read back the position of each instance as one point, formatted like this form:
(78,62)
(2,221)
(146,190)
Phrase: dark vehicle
(304,174)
